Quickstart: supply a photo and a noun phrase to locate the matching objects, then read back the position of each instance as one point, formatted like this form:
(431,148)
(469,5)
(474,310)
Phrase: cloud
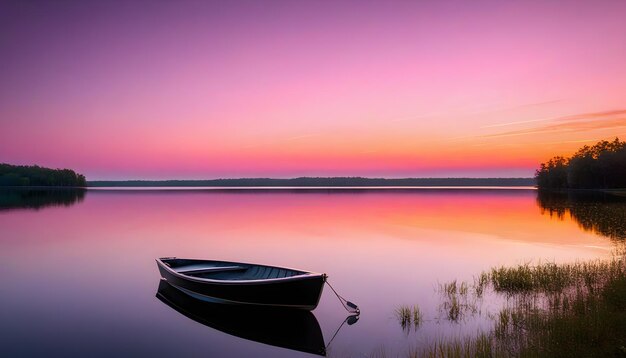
(517,122)
(521,106)
(592,115)
(571,123)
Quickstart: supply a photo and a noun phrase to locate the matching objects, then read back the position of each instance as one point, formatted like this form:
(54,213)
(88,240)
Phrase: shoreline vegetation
(34,175)
(318,182)
(564,310)
(601,166)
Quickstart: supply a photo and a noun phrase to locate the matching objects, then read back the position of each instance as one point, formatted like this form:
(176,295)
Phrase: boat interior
(222,270)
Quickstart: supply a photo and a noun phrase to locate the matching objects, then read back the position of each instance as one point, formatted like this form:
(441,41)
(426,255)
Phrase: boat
(243,283)
(297,330)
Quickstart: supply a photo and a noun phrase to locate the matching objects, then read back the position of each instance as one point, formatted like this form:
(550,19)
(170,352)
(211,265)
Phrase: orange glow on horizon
(393,89)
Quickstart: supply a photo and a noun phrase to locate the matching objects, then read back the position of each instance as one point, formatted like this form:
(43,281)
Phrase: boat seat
(212,269)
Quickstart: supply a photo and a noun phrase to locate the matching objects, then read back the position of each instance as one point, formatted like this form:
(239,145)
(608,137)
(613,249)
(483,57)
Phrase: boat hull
(301,292)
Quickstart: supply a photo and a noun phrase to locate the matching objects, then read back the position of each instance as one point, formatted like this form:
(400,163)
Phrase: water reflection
(35,199)
(292,329)
(382,249)
(597,212)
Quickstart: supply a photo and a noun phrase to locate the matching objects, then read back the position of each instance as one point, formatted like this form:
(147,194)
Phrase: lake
(80,276)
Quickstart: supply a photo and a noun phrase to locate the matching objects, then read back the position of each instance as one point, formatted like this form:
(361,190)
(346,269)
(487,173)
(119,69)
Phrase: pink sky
(156,90)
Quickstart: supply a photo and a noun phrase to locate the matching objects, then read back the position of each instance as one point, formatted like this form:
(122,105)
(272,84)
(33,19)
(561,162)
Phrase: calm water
(79,276)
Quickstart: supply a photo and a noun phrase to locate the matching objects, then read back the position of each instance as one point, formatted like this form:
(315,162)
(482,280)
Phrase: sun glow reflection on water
(88,270)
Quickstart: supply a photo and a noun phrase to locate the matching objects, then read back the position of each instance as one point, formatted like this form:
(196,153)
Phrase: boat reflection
(292,329)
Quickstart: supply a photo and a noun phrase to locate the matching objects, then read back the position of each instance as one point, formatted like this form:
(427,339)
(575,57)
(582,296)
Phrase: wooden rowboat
(243,283)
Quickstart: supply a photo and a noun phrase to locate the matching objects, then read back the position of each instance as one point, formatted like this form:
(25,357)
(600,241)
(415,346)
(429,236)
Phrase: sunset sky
(219,89)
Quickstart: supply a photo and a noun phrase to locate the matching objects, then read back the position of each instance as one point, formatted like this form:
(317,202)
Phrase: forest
(601,166)
(322,182)
(34,175)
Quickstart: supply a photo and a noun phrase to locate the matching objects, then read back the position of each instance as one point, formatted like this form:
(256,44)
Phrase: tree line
(323,182)
(601,166)
(34,175)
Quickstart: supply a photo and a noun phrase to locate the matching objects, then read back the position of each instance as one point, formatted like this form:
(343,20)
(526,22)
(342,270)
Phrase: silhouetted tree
(601,166)
(23,175)
(553,174)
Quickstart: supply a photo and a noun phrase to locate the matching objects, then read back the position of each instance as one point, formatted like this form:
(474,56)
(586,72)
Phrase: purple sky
(175,89)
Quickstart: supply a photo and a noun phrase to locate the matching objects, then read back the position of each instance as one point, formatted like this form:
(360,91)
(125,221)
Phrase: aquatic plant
(457,302)
(480,282)
(480,347)
(418,316)
(409,316)
(403,314)
(552,278)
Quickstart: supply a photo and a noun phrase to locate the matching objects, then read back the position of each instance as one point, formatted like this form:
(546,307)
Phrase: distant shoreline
(321,182)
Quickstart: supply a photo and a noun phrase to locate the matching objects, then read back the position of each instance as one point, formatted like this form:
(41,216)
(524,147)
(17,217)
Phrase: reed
(480,283)
(480,347)
(457,302)
(409,317)
(453,309)
(418,316)
(552,278)
(553,310)
(448,288)
(403,315)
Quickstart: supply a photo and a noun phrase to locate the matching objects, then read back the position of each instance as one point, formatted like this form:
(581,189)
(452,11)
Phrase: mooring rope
(349,306)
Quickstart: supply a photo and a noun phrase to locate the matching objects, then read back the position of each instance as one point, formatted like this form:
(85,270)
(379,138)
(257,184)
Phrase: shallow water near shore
(80,276)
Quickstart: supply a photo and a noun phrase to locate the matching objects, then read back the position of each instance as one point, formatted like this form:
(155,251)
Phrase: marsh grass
(418,317)
(565,310)
(480,283)
(403,315)
(457,303)
(409,317)
(480,347)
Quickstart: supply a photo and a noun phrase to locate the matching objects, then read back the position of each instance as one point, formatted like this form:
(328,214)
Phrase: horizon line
(314,177)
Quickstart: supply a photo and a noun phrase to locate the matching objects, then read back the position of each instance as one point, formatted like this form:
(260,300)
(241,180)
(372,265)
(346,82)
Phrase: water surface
(80,276)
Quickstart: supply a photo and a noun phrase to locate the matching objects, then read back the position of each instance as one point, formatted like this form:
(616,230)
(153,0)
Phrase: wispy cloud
(525,105)
(517,122)
(511,144)
(592,115)
(570,141)
(479,112)
(575,123)
(514,108)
